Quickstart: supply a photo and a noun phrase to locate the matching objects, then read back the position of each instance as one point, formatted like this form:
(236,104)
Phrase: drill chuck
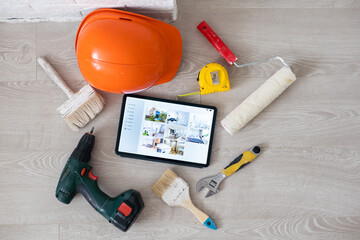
(83,150)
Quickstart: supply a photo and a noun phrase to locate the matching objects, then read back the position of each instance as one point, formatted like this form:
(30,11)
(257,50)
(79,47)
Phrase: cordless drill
(76,177)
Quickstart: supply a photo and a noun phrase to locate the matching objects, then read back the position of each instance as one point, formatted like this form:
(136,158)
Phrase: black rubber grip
(235,161)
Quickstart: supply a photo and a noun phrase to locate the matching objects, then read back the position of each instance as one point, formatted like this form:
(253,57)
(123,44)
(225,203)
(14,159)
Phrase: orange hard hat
(123,52)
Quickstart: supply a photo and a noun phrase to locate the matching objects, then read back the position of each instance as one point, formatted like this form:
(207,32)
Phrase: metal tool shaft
(262,61)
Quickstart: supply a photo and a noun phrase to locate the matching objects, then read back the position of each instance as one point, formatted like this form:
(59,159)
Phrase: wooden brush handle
(197,212)
(55,76)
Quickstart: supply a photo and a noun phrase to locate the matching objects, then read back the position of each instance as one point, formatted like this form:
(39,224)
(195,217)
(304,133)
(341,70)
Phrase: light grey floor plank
(56,41)
(213,4)
(305,185)
(31,232)
(275,186)
(302,115)
(17,52)
(313,41)
(313,227)
(346,3)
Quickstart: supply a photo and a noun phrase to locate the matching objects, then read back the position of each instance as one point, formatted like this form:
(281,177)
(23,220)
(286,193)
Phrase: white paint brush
(175,192)
(81,107)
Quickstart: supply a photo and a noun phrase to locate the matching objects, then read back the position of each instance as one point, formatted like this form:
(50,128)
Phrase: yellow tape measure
(212,78)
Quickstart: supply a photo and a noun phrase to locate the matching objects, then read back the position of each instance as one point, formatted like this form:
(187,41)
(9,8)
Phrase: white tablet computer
(165,131)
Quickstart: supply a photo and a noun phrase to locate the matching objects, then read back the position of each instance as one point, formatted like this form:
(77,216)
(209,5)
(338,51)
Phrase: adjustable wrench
(212,183)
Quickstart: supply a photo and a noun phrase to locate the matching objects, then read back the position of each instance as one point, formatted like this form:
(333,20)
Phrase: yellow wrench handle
(239,162)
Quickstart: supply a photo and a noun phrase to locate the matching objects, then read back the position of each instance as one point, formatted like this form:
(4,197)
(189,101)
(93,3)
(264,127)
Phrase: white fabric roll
(258,100)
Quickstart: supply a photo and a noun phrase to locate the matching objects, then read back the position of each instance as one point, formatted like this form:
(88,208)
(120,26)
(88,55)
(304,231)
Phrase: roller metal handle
(55,76)
(241,161)
(214,39)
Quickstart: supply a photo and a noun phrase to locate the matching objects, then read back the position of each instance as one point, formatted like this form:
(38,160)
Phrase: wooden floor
(306,183)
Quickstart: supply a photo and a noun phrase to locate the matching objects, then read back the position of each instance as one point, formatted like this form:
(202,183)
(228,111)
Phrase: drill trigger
(91,176)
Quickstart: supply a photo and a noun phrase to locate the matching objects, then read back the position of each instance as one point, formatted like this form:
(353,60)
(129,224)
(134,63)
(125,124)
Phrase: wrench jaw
(211,183)
(200,184)
(210,193)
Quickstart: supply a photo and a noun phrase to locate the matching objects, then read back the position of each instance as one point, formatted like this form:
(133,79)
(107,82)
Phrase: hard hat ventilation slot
(126,19)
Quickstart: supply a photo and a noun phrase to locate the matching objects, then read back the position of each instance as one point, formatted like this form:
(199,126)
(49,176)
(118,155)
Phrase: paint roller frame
(263,61)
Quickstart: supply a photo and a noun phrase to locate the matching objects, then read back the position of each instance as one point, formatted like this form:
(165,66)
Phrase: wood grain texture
(17,52)
(346,3)
(305,184)
(31,232)
(213,4)
(56,42)
(311,227)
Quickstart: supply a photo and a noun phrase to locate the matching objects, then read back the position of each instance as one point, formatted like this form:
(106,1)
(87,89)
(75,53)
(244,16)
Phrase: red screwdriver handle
(214,39)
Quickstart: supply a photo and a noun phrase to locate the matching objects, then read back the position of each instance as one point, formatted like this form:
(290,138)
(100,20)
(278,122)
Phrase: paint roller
(259,99)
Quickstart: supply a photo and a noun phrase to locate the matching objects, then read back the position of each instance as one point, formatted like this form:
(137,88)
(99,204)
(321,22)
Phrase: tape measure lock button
(213,78)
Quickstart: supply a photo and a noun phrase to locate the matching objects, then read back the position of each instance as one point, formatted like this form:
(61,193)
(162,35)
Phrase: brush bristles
(170,187)
(81,108)
(161,185)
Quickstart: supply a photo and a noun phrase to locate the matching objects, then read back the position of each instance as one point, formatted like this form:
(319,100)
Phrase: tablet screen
(166,130)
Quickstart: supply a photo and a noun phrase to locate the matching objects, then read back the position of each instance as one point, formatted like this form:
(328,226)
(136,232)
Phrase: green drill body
(77,177)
